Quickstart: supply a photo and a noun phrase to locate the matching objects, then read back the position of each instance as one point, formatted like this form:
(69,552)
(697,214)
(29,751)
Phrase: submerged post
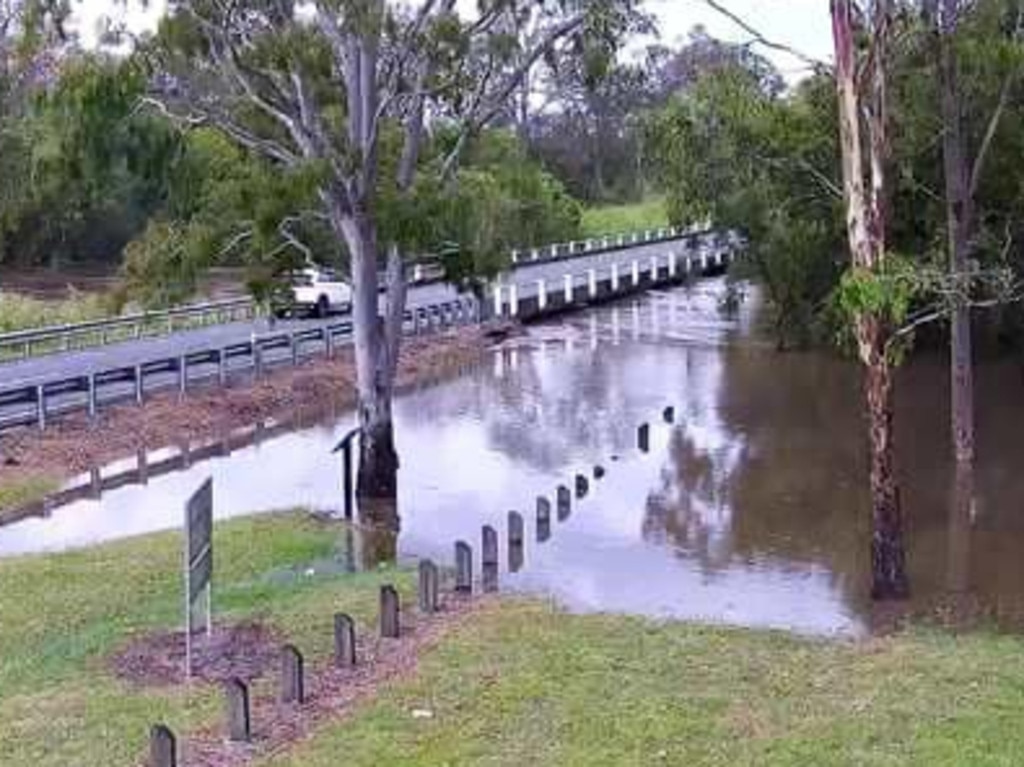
(582,486)
(564,500)
(643,437)
(669,414)
(489,558)
(344,641)
(516,532)
(428,586)
(543,519)
(463,568)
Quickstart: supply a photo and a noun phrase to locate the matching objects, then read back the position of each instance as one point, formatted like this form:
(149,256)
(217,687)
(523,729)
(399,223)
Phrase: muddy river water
(750,508)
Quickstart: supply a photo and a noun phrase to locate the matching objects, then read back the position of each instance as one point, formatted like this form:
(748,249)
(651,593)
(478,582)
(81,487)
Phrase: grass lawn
(517,683)
(61,617)
(618,219)
(524,684)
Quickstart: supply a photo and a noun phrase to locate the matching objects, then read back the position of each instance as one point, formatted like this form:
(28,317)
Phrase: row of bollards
(292,689)
(163,750)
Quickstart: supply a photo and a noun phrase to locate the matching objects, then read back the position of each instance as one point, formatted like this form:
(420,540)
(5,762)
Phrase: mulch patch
(243,650)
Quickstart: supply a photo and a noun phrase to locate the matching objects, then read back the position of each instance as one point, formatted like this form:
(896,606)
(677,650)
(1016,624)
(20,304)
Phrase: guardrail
(39,403)
(62,338)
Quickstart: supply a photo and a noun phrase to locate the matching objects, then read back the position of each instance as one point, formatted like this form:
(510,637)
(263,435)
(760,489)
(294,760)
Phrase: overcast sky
(800,24)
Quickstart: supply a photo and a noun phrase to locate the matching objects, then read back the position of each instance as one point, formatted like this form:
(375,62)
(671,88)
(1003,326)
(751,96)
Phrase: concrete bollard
(428,587)
(582,486)
(543,519)
(344,641)
(563,503)
(463,568)
(669,414)
(516,533)
(643,437)
(293,680)
(489,558)
(239,723)
(163,747)
(390,627)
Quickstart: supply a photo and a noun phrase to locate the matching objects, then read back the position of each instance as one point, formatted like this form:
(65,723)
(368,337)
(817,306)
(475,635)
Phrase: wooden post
(582,486)
(293,682)
(344,641)
(643,437)
(669,414)
(428,586)
(163,747)
(239,724)
(564,503)
(543,519)
(489,558)
(347,461)
(463,568)
(516,533)
(599,472)
(389,620)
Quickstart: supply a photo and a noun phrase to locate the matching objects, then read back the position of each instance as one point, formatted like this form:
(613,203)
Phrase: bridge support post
(567,288)
(615,278)
(513,300)
(498,305)
(654,269)
(671,265)
(542,295)
(592,282)
(636,273)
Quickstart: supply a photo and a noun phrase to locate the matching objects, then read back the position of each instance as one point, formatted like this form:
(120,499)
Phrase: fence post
(428,586)
(582,486)
(543,519)
(463,568)
(163,747)
(239,724)
(293,682)
(389,619)
(515,541)
(344,641)
(489,558)
(564,503)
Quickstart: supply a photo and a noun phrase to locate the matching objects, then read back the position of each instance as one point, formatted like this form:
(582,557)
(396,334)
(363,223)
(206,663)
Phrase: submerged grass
(528,684)
(630,217)
(63,615)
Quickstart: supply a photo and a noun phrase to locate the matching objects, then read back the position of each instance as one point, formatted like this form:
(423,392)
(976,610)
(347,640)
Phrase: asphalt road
(526,277)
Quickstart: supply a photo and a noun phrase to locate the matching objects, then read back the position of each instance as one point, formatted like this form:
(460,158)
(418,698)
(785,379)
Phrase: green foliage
(601,220)
(887,293)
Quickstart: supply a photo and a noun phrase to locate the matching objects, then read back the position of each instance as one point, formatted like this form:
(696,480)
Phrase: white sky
(800,24)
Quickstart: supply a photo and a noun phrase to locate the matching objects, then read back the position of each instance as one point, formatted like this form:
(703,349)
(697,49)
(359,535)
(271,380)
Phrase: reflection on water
(751,508)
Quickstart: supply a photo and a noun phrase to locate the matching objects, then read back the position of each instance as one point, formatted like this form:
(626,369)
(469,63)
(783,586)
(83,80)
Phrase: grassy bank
(632,217)
(62,616)
(517,683)
(19,312)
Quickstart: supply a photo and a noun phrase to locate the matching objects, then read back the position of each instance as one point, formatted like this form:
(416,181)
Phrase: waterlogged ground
(749,509)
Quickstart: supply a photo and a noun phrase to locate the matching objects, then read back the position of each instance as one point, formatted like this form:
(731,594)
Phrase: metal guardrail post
(329,340)
(257,357)
(183,374)
(293,342)
(41,406)
(139,388)
(93,399)
(222,367)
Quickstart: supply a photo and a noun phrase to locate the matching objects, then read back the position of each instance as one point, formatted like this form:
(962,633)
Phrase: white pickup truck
(319,291)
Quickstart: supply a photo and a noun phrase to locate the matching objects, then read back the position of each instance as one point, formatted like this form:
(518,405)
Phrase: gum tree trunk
(866,224)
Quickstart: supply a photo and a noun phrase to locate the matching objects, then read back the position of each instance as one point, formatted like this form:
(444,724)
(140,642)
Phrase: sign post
(198,562)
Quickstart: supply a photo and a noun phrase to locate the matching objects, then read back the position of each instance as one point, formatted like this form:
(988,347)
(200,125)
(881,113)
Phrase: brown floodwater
(750,509)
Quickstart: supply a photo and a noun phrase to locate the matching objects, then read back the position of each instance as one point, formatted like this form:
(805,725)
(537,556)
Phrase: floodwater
(750,509)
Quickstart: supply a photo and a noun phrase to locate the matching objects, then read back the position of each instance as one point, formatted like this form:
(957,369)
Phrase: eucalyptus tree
(328,85)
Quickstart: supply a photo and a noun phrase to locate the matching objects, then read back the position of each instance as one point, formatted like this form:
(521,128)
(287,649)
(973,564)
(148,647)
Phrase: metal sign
(198,561)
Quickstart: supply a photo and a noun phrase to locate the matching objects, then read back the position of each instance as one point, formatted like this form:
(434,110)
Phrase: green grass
(618,219)
(524,684)
(22,490)
(63,615)
(18,312)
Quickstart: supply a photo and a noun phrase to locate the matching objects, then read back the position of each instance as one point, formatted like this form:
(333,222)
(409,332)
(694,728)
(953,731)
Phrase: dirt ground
(72,445)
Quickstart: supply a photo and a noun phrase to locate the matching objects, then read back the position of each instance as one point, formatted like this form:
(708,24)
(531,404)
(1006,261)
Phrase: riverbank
(506,682)
(33,464)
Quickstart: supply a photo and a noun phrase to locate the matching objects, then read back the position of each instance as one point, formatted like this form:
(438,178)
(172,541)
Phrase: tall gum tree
(320,84)
(860,72)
